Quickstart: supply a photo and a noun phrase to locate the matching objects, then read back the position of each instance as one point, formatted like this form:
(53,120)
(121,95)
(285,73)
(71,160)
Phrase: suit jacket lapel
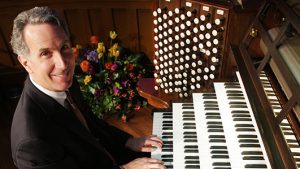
(61,115)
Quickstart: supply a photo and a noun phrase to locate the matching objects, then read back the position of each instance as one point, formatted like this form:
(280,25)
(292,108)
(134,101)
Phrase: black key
(220,156)
(253,158)
(237,103)
(213,117)
(255,166)
(191,146)
(192,162)
(217,140)
(238,106)
(167,156)
(188,112)
(245,129)
(191,157)
(219,152)
(242,119)
(214,122)
(188,104)
(167,160)
(188,119)
(216,136)
(240,112)
(192,166)
(249,145)
(190,136)
(215,130)
(235,94)
(221,164)
(241,115)
(211,108)
(166,137)
(190,140)
(248,141)
(236,98)
(252,153)
(218,147)
(191,151)
(233,91)
(189,133)
(244,125)
(214,126)
(167,150)
(246,136)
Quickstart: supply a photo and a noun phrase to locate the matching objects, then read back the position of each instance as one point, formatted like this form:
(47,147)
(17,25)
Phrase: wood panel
(86,18)
(146,33)
(102,23)
(127,27)
(79,25)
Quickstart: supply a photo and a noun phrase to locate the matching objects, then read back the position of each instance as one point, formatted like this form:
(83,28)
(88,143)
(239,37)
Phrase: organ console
(250,122)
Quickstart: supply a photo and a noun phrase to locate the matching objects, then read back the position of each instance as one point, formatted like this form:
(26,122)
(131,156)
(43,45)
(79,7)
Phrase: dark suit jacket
(45,135)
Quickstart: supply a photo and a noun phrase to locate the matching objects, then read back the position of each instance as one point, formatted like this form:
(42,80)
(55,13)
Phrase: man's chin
(63,84)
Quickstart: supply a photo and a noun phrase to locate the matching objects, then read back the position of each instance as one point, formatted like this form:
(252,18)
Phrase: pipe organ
(245,123)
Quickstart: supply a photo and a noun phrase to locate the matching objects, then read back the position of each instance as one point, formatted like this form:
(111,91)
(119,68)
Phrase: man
(51,130)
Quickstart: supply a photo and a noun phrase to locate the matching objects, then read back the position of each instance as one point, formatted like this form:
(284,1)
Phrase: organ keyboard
(218,130)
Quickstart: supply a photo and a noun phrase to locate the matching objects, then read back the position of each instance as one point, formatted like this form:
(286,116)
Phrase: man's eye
(65,47)
(45,53)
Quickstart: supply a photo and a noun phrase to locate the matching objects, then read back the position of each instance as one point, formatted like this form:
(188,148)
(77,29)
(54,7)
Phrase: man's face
(50,62)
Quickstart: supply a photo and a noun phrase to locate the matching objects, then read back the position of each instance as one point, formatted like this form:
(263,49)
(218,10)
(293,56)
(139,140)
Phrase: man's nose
(60,60)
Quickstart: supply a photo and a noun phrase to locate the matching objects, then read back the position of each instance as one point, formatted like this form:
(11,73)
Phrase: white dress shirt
(60,97)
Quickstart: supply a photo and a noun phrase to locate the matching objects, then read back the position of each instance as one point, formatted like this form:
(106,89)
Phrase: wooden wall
(132,19)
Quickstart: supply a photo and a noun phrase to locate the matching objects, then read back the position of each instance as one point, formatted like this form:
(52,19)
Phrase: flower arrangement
(108,78)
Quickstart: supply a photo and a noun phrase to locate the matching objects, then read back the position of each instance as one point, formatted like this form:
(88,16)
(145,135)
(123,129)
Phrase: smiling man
(52,127)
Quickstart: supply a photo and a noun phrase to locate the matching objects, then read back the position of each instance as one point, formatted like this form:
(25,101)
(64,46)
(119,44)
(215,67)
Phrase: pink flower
(116,90)
(137,107)
(129,104)
(131,94)
(124,118)
(107,80)
(114,67)
(118,107)
(131,75)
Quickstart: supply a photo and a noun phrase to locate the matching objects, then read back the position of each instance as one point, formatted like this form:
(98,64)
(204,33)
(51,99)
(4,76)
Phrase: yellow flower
(113,51)
(87,79)
(100,55)
(101,47)
(113,35)
(78,46)
(116,53)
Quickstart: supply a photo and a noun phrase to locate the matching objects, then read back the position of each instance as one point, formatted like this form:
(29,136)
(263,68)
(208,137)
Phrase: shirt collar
(60,97)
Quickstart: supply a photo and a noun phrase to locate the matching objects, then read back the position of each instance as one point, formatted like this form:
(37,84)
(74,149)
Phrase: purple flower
(97,93)
(102,91)
(91,70)
(124,83)
(114,67)
(92,56)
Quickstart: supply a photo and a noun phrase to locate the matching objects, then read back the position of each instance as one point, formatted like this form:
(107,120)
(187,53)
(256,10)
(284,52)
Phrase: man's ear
(24,62)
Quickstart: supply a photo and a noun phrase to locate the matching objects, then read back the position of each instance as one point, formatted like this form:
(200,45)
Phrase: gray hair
(36,15)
